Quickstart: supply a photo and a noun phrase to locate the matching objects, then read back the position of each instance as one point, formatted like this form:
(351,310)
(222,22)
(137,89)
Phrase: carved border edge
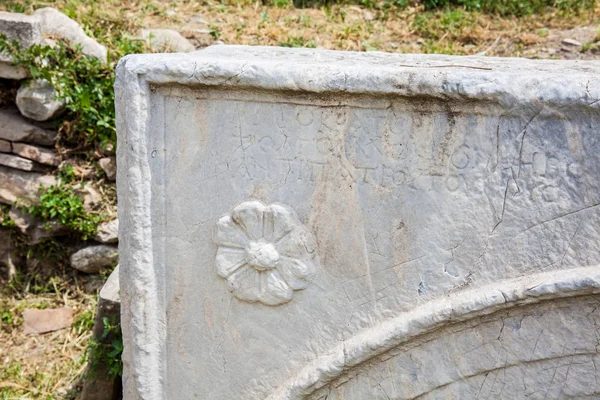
(509,82)
(142,322)
(434,314)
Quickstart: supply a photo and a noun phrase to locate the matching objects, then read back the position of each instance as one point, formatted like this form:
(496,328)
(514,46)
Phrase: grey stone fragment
(25,29)
(37,100)
(108,232)
(91,197)
(5,146)
(167,41)
(15,128)
(98,384)
(56,24)
(93,258)
(17,162)
(9,71)
(109,166)
(36,153)
(571,42)
(20,185)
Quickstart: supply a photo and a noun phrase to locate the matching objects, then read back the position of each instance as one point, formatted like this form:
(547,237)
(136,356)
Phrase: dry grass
(342,27)
(48,366)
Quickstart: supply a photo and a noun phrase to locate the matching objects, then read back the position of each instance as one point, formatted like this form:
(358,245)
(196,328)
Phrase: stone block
(308,224)
(99,384)
(5,146)
(17,162)
(25,29)
(9,71)
(20,185)
(15,128)
(36,153)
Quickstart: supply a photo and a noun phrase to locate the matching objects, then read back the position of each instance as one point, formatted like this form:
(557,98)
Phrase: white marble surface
(289,219)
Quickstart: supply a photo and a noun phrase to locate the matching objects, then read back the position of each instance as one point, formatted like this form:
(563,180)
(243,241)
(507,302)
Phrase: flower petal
(228,233)
(245,284)
(229,260)
(278,222)
(296,273)
(249,216)
(273,289)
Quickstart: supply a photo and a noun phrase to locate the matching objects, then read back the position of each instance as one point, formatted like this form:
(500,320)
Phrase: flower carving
(264,252)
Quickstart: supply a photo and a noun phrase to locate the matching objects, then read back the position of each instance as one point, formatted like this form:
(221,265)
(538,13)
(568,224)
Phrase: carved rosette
(264,252)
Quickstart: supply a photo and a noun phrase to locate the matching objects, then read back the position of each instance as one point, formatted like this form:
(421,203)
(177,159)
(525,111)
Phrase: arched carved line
(454,307)
(487,371)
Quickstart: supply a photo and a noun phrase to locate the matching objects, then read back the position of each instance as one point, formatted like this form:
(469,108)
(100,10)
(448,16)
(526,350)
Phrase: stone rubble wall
(28,158)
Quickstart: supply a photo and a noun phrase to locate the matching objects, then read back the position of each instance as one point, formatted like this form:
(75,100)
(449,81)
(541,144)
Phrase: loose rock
(37,100)
(93,258)
(47,320)
(39,154)
(91,197)
(108,232)
(24,186)
(15,128)
(54,23)
(571,42)
(109,166)
(167,41)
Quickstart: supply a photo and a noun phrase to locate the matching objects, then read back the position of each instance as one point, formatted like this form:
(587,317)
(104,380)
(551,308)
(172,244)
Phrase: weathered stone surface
(15,128)
(37,100)
(56,24)
(9,71)
(20,185)
(5,146)
(47,320)
(17,162)
(108,232)
(36,230)
(93,258)
(167,41)
(26,30)
(307,224)
(91,197)
(109,166)
(36,153)
(99,385)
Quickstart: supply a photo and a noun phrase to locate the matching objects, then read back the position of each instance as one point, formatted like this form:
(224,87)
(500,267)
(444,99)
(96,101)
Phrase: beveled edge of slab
(506,81)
